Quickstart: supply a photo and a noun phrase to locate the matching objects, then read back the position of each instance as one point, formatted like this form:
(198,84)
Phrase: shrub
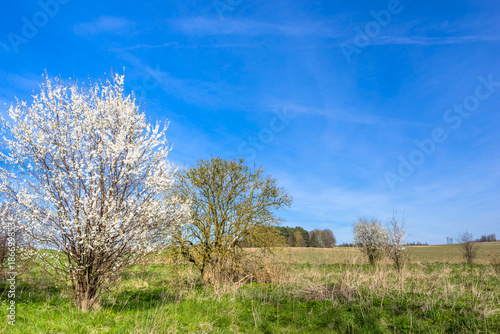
(371,237)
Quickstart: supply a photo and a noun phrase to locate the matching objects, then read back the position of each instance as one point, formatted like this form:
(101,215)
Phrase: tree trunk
(86,292)
(206,276)
(371,258)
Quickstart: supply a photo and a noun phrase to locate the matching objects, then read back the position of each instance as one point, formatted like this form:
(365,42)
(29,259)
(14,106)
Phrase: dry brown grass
(418,254)
(360,284)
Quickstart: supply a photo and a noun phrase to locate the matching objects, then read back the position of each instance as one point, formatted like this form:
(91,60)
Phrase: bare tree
(396,240)
(468,247)
(371,237)
(87,174)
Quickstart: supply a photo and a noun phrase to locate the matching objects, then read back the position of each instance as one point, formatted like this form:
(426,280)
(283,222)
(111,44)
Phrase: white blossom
(371,237)
(87,173)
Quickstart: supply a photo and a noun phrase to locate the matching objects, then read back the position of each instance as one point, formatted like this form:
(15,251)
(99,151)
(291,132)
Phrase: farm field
(301,291)
(418,254)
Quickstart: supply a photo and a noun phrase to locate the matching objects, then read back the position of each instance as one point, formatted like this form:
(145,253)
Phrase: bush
(371,237)
(467,246)
(396,240)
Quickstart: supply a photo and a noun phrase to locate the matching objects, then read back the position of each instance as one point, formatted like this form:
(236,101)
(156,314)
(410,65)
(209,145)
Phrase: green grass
(307,296)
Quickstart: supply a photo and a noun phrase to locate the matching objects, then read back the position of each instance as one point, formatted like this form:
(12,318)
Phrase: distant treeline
(417,243)
(414,243)
(487,238)
(484,238)
(299,237)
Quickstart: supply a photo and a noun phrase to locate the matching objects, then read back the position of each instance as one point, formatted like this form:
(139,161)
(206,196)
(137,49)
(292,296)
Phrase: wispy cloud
(104,25)
(340,207)
(147,46)
(25,83)
(423,40)
(192,91)
(330,29)
(198,92)
(206,26)
(337,208)
(5,47)
(341,115)
(178,45)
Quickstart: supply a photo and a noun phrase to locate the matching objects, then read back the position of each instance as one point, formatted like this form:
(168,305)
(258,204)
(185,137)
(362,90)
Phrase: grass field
(418,254)
(309,291)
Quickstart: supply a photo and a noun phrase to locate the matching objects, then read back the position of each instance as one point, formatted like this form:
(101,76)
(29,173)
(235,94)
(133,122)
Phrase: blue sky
(358,108)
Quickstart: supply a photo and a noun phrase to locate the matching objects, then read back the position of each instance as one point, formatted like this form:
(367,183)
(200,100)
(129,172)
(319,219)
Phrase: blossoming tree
(84,170)
(371,237)
(396,240)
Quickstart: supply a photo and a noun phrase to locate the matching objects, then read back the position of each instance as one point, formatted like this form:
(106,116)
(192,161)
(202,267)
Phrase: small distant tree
(370,237)
(315,238)
(289,234)
(468,247)
(229,203)
(299,239)
(327,238)
(305,235)
(396,240)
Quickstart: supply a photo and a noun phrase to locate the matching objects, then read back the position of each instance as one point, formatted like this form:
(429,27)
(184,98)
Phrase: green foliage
(292,237)
(322,238)
(231,206)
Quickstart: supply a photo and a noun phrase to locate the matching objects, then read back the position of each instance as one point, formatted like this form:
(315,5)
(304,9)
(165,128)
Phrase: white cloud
(147,46)
(104,24)
(435,208)
(25,83)
(424,40)
(205,26)
(5,47)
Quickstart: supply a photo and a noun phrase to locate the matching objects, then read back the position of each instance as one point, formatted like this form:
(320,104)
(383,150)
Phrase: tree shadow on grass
(30,293)
(138,299)
(127,299)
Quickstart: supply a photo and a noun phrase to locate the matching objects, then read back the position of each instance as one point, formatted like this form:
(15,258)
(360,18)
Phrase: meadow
(418,254)
(300,290)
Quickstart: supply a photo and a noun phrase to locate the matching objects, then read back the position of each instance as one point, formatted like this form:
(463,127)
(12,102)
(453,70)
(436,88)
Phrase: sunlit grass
(313,291)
